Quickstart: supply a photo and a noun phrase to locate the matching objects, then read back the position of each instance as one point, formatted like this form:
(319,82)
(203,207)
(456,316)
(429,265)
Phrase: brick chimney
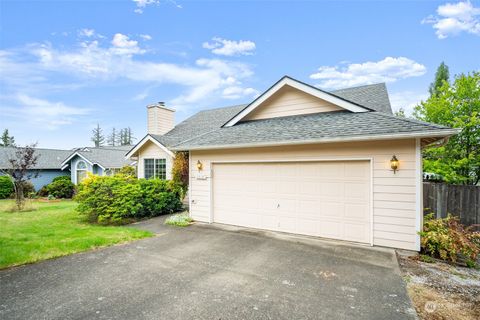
(160,119)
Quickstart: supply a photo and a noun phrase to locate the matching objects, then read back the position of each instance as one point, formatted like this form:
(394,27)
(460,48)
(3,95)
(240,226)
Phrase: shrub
(122,199)
(447,239)
(127,171)
(179,220)
(60,187)
(6,187)
(61,178)
(28,189)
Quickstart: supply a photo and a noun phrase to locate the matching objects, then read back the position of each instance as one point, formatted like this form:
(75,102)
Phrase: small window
(81,171)
(155,168)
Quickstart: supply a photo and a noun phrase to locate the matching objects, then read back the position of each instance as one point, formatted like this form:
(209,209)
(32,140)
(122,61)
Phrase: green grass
(179,220)
(53,230)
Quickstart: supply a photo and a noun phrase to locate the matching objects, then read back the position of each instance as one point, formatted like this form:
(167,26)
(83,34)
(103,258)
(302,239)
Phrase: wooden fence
(458,200)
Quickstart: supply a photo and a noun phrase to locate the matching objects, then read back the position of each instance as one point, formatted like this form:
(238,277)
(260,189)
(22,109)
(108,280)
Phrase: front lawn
(53,230)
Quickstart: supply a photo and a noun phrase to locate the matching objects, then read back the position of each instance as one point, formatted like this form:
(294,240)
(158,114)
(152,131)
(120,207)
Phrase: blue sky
(67,65)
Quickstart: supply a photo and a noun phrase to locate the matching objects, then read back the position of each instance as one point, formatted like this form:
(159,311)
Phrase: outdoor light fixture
(199,165)
(394,164)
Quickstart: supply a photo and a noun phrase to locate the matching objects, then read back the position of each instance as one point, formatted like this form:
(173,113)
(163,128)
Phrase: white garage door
(326,199)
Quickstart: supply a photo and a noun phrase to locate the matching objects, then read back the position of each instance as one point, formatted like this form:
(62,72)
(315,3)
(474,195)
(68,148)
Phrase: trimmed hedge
(122,199)
(6,187)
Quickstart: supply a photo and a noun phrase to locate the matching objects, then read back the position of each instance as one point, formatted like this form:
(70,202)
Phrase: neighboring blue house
(49,164)
(100,161)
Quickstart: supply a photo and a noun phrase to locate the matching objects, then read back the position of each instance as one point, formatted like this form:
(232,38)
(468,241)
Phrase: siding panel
(393,194)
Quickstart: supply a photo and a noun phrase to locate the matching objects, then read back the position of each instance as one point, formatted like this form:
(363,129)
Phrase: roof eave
(438,133)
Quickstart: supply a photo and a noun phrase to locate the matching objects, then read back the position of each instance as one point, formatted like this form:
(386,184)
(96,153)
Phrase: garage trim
(369,159)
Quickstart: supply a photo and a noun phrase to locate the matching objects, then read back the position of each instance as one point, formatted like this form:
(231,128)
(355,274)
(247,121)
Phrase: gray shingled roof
(373,96)
(312,127)
(205,128)
(47,158)
(107,157)
(200,123)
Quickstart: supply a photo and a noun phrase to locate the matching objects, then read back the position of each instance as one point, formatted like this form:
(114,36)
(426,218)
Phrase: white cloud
(41,112)
(406,100)
(97,62)
(389,69)
(123,45)
(455,18)
(225,47)
(86,32)
(146,37)
(236,92)
(142,4)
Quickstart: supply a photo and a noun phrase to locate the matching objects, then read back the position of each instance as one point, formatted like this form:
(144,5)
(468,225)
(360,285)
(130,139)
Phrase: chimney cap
(159,104)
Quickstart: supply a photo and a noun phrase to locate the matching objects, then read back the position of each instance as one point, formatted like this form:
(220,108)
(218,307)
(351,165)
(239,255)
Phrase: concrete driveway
(207,272)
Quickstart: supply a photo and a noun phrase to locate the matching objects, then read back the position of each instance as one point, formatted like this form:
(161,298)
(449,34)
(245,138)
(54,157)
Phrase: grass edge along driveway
(53,230)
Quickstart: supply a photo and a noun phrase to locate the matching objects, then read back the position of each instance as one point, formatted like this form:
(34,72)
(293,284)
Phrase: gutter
(430,134)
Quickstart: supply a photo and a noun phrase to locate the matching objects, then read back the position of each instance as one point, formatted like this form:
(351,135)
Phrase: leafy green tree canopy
(455,105)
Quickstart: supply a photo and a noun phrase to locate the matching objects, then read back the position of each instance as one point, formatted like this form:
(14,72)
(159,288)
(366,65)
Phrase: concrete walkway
(207,272)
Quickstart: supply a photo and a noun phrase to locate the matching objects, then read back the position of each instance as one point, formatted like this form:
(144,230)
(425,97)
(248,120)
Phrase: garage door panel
(327,199)
(356,211)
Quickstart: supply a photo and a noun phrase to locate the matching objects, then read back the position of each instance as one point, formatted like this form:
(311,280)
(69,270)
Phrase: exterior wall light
(199,165)
(394,164)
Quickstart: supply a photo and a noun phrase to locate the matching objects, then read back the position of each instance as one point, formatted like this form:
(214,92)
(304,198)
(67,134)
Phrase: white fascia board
(65,162)
(440,133)
(302,87)
(144,140)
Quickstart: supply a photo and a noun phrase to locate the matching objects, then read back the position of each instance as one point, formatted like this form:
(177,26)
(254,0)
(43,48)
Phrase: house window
(81,171)
(155,168)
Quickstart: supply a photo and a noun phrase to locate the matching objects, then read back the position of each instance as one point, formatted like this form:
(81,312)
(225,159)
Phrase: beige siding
(394,195)
(149,151)
(287,102)
(159,120)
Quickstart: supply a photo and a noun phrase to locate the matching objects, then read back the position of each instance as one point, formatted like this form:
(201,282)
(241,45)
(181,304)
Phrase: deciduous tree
(455,105)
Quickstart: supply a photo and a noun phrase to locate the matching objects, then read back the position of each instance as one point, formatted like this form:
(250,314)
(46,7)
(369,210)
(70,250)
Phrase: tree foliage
(97,136)
(180,170)
(6,140)
(21,163)
(455,105)
(112,139)
(441,75)
(400,113)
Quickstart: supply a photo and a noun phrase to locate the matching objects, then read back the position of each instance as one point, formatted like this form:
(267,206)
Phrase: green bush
(447,239)
(61,178)
(6,187)
(60,187)
(28,189)
(122,199)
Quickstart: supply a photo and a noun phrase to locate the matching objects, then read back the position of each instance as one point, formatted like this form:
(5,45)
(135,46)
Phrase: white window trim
(154,167)
(345,104)
(77,169)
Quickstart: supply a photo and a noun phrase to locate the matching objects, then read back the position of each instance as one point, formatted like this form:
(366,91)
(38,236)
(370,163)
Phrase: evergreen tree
(97,136)
(113,138)
(441,75)
(6,140)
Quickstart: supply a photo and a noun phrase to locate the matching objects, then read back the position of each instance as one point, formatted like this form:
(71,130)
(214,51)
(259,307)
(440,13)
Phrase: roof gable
(279,87)
(289,101)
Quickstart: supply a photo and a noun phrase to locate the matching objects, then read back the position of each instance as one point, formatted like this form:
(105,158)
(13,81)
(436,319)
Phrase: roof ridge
(361,86)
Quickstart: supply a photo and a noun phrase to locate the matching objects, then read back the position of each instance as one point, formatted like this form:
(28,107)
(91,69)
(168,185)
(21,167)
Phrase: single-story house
(49,164)
(100,161)
(301,160)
